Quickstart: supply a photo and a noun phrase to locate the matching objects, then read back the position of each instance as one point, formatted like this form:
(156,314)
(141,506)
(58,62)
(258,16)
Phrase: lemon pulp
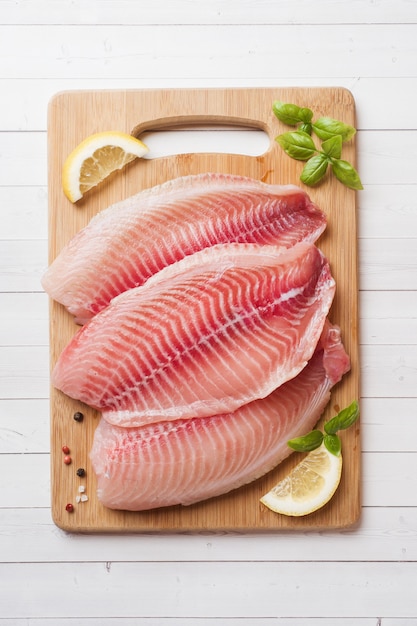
(308,486)
(97,157)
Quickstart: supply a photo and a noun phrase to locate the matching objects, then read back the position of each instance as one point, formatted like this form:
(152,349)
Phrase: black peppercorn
(78,416)
(80,471)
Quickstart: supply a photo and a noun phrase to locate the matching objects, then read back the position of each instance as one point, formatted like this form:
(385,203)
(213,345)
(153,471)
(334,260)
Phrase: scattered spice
(83,497)
(78,417)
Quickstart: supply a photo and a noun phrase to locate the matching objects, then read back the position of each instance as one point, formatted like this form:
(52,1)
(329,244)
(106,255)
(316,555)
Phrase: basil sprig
(298,144)
(344,419)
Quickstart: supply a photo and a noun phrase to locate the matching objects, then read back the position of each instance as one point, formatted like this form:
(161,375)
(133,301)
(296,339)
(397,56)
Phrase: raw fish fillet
(185,461)
(216,330)
(132,240)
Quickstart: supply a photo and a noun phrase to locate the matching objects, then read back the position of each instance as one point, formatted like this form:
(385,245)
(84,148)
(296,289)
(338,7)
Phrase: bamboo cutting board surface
(72,116)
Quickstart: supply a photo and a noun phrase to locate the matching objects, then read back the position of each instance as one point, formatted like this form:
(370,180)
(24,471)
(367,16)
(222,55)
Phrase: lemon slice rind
(95,158)
(308,487)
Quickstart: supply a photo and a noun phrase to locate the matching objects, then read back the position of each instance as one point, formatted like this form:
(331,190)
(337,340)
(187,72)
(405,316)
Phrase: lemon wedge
(309,485)
(97,157)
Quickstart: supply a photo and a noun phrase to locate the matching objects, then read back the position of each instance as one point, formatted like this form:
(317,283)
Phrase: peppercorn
(78,416)
(67,460)
(69,507)
(81,472)
(65,450)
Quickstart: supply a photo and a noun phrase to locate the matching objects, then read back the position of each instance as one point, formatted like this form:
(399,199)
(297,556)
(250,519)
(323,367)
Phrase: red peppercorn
(67,460)
(69,507)
(65,449)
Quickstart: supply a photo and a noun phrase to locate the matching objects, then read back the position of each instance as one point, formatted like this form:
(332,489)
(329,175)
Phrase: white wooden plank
(207,589)
(389,371)
(389,479)
(28,480)
(217,51)
(388,156)
(384,211)
(388,318)
(156,621)
(387,211)
(202,621)
(384,534)
(394,92)
(388,264)
(24,319)
(391,155)
(30,114)
(388,621)
(23,160)
(202,12)
(24,372)
(22,264)
(24,212)
(24,426)
(388,424)
(386,371)
(385,265)
(377,63)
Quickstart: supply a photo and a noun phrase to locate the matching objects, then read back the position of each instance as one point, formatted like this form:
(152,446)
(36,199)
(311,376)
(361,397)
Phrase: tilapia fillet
(217,330)
(130,241)
(188,460)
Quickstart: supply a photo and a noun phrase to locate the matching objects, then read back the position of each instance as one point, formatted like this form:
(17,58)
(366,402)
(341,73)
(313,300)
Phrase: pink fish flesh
(217,330)
(130,241)
(185,461)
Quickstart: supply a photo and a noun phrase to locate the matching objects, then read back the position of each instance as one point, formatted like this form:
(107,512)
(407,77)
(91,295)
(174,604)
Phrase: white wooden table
(363,576)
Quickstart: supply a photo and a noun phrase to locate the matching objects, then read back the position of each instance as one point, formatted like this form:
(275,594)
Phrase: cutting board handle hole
(204,138)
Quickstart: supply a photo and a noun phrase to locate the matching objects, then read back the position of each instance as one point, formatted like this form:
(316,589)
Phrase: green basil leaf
(314,170)
(333,147)
(297,144)
(344,419)
(290,114)
(306,443)
(346,173)
(306,115)
(333,444)
(326,127)
(306,127)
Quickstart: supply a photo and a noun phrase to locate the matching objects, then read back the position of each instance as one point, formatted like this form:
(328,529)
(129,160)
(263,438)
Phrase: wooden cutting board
(74,115)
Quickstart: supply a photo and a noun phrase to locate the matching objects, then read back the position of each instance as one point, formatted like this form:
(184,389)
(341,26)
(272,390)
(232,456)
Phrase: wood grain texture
(133,588)
(216,12)
(74,115)
(218,51)
(385,534)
